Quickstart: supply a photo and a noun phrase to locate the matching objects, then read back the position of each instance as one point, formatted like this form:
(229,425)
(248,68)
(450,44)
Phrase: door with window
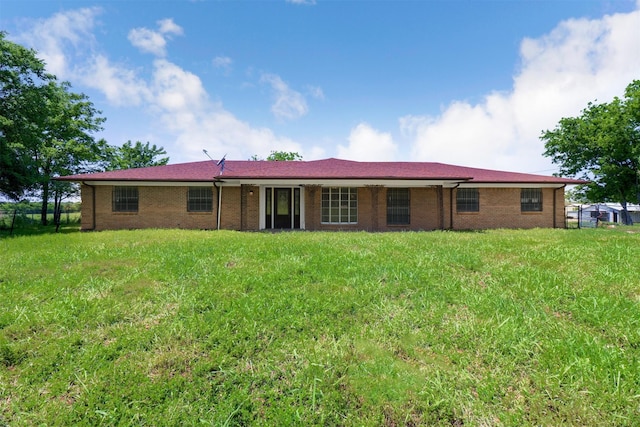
(282,209)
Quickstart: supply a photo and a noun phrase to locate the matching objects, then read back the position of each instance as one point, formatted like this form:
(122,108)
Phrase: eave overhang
(346,182)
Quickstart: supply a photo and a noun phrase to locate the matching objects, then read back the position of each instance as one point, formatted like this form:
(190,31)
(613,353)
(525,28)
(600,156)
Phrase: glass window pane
(200,199)
(467,200)
(339,205)
(531,200)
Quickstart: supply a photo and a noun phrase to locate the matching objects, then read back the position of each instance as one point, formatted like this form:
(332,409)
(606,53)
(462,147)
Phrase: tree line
(47,130)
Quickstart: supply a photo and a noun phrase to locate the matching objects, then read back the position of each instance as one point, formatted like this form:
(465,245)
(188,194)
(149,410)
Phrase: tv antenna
(219,162)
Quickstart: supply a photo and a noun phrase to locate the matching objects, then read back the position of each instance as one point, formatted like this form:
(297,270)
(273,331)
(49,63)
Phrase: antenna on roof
(221,163)
(206,153)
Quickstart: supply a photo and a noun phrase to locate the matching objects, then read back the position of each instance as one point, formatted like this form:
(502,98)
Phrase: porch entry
(282,209)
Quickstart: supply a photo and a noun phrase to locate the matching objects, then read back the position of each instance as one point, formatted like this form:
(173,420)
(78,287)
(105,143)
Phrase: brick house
(329,194)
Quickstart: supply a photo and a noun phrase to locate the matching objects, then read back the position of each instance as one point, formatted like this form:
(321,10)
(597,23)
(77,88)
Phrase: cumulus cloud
(288,104)
(52,36)
(167,26)
(579,61)
(186,111)
(368,144)
(66,43)
(185,117)
(154,42)
(176,89)
(309,2)
(121,86)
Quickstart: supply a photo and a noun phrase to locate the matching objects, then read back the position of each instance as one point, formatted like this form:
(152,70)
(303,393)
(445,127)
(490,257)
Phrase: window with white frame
(339,205)
(467,200)
(125,199)
(200,199)
(531,200)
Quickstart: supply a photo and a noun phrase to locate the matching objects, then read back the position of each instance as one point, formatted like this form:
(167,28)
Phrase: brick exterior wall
(500,208)
(158,207)
(431,208)
(86,207)
(230,208)
(250,207)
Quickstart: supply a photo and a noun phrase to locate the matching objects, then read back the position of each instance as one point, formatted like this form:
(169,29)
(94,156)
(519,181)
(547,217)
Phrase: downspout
(219,197)
(93,205)
(555,206)
(451,205)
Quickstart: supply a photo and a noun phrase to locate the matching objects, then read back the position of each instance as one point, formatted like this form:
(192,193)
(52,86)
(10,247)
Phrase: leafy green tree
(22,77)
(284,156)
(64,143)
(45,129)
(279,156)
(602,146)
(135,156)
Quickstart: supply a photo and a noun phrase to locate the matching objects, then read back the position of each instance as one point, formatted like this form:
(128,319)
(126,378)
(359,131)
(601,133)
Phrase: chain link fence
(13,220)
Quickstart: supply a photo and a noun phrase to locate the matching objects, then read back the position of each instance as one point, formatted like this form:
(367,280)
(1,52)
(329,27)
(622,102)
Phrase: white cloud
(315,92)
(52,36)
(223,62)
(221,132)
(314,153)
(288,104)
(579,61)
(186,120)
(167,26)
(368,144)
(121,86)
(148,41)
(309,2)
(67,44)
(183,105)
(154,42)
(176,89)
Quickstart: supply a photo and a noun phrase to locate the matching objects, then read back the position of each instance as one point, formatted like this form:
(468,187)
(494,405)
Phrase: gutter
(219,200)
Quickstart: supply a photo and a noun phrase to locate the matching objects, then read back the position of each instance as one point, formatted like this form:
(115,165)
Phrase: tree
(22,76)
(602,146)
(284,156)
(279,156)
(63,143)
(135,156)
(45,129)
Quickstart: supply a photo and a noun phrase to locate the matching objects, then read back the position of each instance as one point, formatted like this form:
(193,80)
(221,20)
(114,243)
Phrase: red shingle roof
(333,169)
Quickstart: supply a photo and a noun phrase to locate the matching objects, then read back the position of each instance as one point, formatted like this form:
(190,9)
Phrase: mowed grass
(169,327)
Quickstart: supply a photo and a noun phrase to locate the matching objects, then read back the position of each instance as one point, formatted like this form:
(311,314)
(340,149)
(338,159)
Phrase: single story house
(604,212)
(329,194)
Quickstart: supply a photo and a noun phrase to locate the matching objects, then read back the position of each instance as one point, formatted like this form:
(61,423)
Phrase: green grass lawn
(168,327)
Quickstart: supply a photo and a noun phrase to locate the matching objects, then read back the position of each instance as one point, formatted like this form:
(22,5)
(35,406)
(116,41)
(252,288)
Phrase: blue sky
(471,83)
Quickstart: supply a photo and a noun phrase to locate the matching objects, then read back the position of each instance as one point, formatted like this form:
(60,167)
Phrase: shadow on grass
(35,230)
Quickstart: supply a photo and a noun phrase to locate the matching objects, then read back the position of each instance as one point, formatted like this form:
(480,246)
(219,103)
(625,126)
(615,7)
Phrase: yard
(170,327)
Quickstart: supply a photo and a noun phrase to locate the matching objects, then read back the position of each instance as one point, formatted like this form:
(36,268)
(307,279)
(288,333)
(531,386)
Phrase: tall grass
(167,327)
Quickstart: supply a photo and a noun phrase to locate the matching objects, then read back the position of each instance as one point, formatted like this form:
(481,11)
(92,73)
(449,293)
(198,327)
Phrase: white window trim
(349,222)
